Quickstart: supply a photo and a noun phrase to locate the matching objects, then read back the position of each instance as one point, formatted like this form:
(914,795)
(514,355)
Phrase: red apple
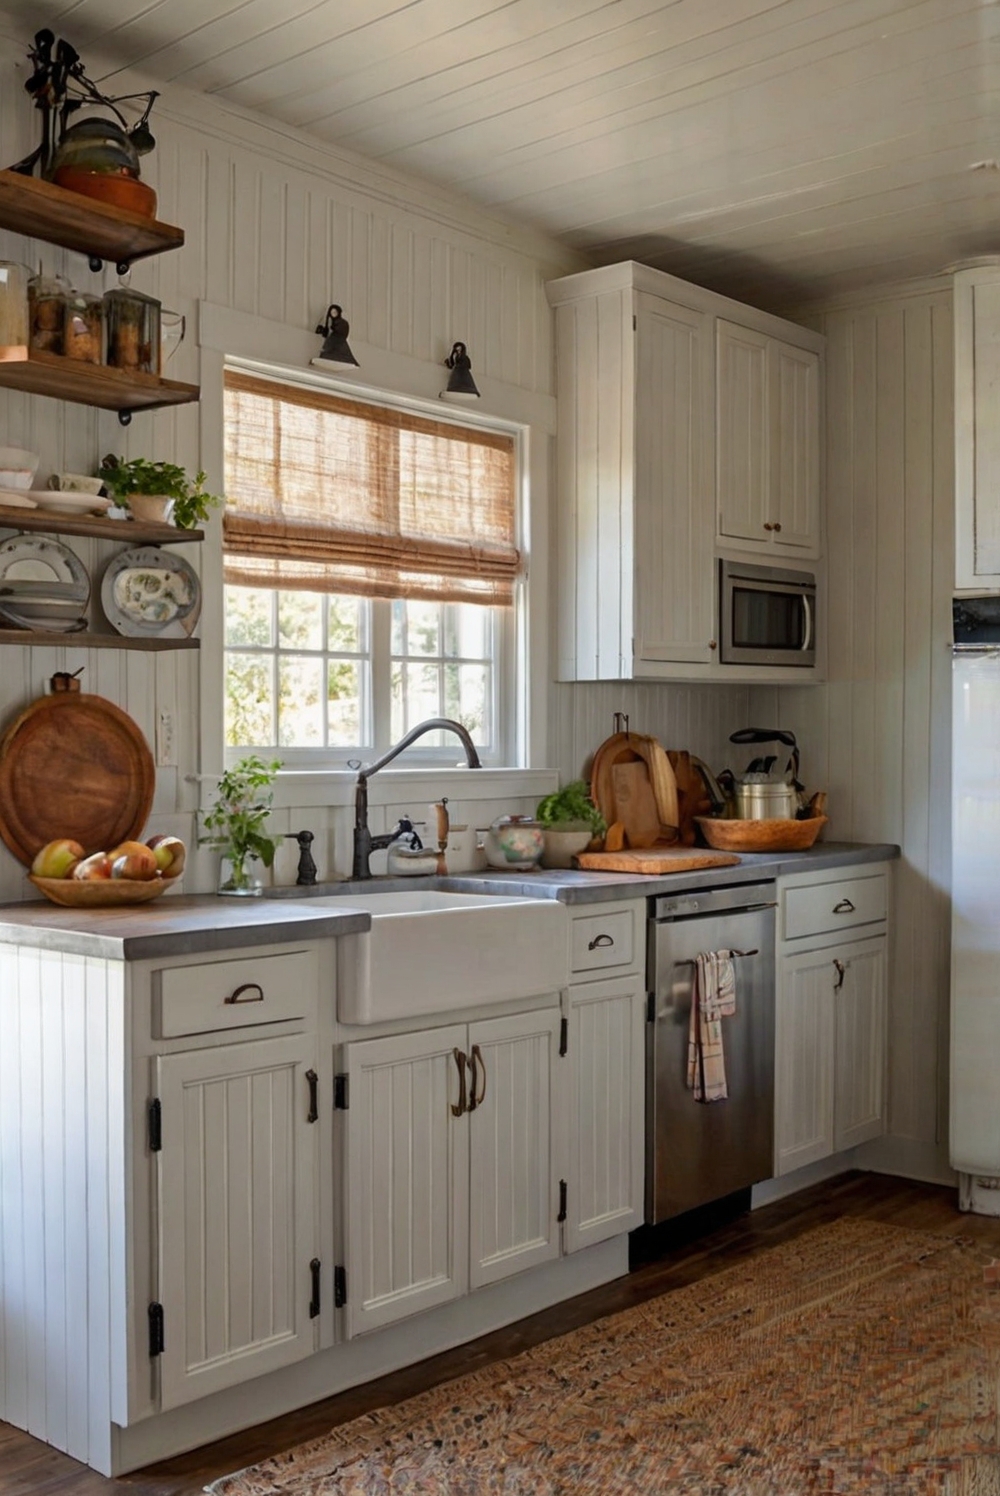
(56,859)
(97,865)
(140,865)
(169,852)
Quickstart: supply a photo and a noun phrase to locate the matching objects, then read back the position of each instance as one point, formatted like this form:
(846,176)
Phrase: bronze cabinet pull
(312,1080)
(237,996)
(840,970)
(477,1064)
(600,940)
(457,1108)
(844,907)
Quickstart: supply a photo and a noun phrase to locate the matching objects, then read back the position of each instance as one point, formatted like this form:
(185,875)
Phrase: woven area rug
(857,1358)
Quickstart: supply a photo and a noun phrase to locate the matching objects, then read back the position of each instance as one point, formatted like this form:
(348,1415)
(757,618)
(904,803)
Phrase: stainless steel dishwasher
(701,1151)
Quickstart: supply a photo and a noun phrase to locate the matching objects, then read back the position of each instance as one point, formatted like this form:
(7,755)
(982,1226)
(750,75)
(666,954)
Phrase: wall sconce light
(336,349)
(461,386)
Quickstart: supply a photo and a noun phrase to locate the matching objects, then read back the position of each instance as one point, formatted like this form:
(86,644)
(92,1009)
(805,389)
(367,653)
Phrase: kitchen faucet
(364,843)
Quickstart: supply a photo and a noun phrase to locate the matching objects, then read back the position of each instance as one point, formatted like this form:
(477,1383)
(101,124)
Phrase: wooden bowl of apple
(133,873)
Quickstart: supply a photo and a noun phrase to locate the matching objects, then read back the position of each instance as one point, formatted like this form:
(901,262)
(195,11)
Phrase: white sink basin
(430,952)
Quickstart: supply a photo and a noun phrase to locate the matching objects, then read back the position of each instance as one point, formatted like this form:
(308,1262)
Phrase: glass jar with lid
(133,327)
(13,304)
(83,327)
(47,312)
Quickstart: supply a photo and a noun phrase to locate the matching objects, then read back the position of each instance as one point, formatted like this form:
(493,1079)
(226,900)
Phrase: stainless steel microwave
(767,615)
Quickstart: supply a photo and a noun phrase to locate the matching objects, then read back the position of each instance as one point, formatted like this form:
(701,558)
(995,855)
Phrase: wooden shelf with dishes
(95,527)
(96,229)
(84,639)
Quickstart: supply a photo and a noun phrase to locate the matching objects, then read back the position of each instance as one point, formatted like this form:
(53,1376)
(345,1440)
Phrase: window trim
(512,676)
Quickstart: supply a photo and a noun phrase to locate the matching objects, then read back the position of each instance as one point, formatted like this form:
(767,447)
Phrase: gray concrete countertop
(176,925)
(573,887)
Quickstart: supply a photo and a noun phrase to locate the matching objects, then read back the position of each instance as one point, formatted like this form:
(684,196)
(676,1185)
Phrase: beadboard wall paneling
(877,735)
(276,228)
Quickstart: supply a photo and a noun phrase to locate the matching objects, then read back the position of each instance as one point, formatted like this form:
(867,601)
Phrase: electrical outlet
(166,757)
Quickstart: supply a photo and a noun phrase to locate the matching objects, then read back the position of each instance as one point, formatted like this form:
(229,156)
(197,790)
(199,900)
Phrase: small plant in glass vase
(236,821)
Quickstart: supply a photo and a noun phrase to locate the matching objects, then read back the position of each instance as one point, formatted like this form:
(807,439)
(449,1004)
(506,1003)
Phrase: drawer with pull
(841,904)
(230,994)
(600,941)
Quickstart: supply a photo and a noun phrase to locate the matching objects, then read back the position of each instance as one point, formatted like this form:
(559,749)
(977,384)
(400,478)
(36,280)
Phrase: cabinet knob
(712,644)
(767,526)
(776,525)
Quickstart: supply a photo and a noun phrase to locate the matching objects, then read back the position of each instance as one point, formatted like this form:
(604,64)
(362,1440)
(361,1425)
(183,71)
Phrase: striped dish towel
(714,998)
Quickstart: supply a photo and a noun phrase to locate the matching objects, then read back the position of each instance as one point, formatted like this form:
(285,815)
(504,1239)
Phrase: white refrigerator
(975,979)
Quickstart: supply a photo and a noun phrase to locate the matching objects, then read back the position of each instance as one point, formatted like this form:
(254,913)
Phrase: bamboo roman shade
(333,495)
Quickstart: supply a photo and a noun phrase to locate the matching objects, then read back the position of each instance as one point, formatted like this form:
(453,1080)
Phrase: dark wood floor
(27,1466)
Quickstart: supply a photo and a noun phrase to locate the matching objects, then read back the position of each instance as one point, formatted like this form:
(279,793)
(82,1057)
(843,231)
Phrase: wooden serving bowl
(101,893)
(761,836)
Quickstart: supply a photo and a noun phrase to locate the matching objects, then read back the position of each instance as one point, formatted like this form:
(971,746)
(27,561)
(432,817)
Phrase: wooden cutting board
(653,861)
(635,803)
(73,765)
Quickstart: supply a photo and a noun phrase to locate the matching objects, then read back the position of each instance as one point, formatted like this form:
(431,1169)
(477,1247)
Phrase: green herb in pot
(192,505)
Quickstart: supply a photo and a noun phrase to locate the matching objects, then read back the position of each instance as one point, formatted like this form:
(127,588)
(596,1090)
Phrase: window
(371,569)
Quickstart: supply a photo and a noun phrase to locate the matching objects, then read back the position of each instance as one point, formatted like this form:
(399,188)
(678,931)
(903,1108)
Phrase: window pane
(467,690)
(249,616)
(346,634)
(343,711)
(249,701)
(300,715)
(300,620)
(467,631)
(422,628)
(415,696)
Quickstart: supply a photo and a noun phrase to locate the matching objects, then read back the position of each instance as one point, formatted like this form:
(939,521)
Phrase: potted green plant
(236,821)
(571,820)
(158,491)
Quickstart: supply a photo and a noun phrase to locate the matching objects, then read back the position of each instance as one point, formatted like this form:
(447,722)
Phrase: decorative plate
(17,498)
(35,558)
(69,502)
(150,593)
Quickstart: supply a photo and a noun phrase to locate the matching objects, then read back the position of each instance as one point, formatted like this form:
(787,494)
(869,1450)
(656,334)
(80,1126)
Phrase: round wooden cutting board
(74,766)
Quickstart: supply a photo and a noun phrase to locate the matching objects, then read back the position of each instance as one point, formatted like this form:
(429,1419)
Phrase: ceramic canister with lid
(514,842)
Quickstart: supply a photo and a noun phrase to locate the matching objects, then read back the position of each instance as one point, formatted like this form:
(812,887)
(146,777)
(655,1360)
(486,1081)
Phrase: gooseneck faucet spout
(364,843)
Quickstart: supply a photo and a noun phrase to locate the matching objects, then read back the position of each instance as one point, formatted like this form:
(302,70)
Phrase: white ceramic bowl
(75,483)
(17,467)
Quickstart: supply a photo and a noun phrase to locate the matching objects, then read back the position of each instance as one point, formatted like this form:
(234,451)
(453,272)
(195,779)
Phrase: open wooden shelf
(126,531)
(44,211)
(89,384)
(87,640)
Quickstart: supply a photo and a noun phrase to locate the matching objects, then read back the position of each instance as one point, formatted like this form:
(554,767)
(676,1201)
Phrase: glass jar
(239,876)
(13,304)
(47,312)
(83,327)
(133,323)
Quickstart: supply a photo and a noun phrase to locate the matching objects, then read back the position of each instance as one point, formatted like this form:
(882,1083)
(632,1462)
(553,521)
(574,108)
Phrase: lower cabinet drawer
(604,940)
(233,994)
(838,905)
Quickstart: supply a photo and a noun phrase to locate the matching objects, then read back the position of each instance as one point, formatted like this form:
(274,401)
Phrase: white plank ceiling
(779,150)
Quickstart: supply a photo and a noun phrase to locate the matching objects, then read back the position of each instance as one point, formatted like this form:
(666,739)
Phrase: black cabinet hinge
(341,1098)
(156,1329)
(314,1267)
(562,1202)
(564,1037)
(154,1125)
(339,1287)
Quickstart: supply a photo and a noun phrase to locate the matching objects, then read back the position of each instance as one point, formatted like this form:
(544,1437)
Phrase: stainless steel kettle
(760,793)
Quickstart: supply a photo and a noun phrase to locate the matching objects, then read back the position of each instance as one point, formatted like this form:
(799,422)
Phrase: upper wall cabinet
(689,427)
(977,427)
(767,435)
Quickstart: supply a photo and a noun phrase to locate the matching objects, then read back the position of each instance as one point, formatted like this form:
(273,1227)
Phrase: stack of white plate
(43,586)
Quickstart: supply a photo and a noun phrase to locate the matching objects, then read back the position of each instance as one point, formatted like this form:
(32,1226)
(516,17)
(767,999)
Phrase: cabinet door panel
(674,609)
(860,1025)
(743,435)
(237,1214)
(516,1141)
(794,387)
(406,1184)
(804,1060)
(607,1067)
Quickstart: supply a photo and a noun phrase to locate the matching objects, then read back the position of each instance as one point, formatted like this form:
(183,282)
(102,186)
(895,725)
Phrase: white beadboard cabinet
(831,1018)
(688,429)
(977,427)
(767,451)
